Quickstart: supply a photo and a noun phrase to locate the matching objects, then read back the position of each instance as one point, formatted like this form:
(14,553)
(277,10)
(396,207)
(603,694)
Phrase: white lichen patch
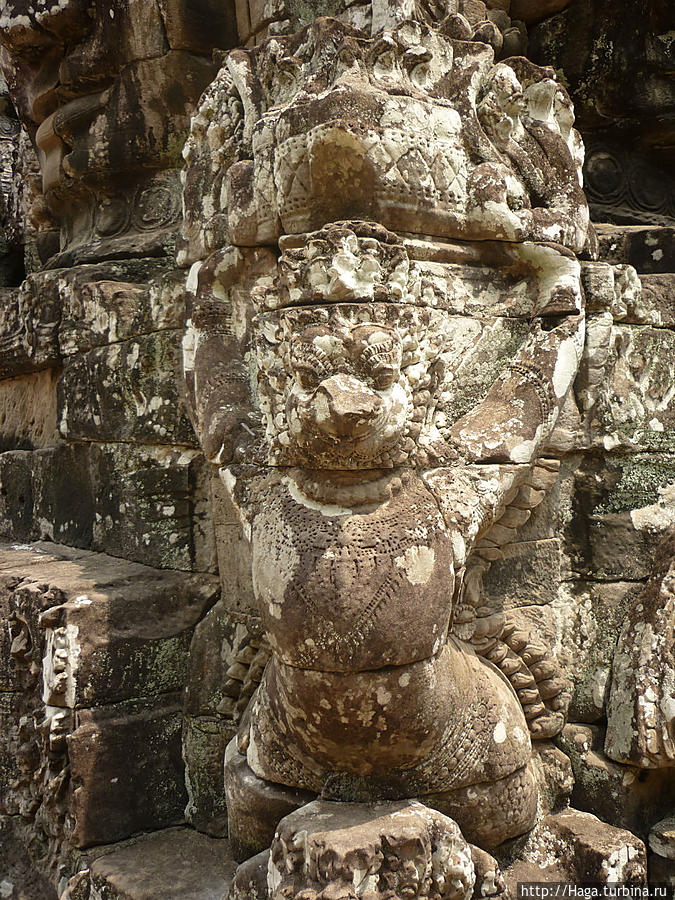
(418,564)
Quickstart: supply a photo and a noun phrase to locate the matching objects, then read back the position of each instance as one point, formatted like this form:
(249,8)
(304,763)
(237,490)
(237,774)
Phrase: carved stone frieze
(106,92)
(377,851)
(447,144)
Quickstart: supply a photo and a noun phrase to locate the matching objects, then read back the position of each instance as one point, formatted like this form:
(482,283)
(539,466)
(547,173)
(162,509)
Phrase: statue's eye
(382,362)
(310,365)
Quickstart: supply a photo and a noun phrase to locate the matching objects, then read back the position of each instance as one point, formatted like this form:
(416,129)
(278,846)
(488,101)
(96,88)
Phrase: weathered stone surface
(450,376)
(633,408)
(641,708)
(174,864)
(658,298)
(151,505)
(19,873)
(126,770)
(402,849)
(379,406)
(620,510)
(577,847)
(620,795)
(204,741)
(111,138)
(489,22)
(28,411)
(620,82)
(29,327)
(234,552)
(125,392)
(408,397)
(97,650)
(116,301)
(662,838)
(527,574)
(391,175)
(221,679)
(651,250)
(143,648)
(555,777)
(534,10)
(47,495)
(587,620)
(255,806)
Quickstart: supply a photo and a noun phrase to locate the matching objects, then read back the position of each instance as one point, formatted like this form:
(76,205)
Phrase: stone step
(173,864)
(93,659)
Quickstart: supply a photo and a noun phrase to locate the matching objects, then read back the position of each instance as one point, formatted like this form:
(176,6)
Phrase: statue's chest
(347,591)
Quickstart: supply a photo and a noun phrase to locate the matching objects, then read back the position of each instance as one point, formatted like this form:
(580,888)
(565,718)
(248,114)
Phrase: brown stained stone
(250,880)
(658,297)
(215,643)
(16,496)
(621,795)
(528,574)
(382,404)
(641,706)
(126,770)
(576,847)
(12,707)
(555,777)
(234,552)
(379,407)
(121,392)
(617,77)
(28,411)
(255,807)
(620,508)
(20,874)
(466,200)
(174,864)
(219,684)
(151,506)
(661,871)
(290,563)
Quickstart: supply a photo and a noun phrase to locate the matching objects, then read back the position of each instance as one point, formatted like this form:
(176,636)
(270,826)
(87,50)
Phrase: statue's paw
(543,689)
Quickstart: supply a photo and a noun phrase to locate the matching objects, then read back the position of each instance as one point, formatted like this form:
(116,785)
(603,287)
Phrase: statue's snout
(344,405)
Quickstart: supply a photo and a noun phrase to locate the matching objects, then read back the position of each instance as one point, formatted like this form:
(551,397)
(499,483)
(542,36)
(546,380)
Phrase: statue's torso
(348,592)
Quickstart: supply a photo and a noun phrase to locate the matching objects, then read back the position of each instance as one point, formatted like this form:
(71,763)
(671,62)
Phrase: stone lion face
(346,395)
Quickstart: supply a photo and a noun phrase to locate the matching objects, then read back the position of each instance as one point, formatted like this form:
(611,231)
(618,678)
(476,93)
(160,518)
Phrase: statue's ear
(218,336)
